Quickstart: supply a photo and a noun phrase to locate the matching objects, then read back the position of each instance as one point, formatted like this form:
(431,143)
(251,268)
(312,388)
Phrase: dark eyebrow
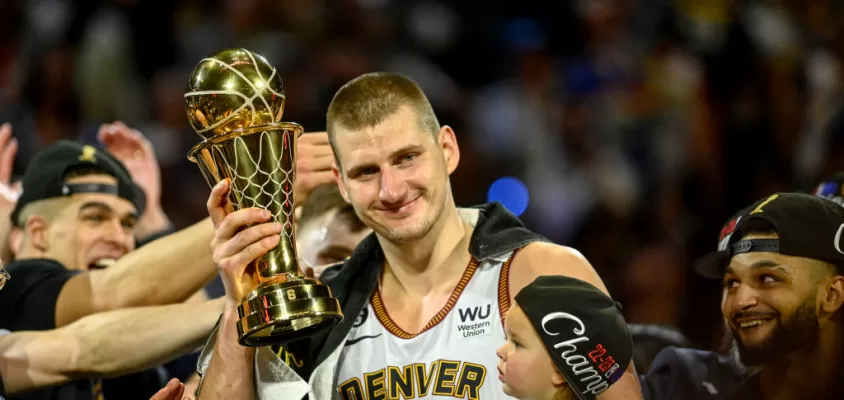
(763,264)
(406,149)
(105,207)
(354,170)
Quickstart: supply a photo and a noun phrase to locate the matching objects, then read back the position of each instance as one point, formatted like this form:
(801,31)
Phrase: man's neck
(807,374)
(424,265)
(31,253)
(28,254)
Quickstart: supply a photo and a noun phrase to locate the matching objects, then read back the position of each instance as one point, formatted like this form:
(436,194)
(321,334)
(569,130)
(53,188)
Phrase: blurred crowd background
(637,126)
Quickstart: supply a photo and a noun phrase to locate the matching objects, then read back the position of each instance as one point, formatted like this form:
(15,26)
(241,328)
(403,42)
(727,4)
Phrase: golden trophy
(235,100)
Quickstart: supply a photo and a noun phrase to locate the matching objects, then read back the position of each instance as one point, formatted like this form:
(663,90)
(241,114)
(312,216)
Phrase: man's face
(93,230)
(327,239)
(770,303)
(395,174)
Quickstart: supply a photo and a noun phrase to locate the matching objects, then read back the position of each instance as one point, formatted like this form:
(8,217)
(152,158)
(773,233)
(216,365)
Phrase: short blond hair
(370,98)
(48,209)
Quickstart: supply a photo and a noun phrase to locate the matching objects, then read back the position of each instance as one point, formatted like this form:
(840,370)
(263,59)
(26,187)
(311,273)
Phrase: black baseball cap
(807,226)
(831,188)
(45,176)
(729,228)
(582,329)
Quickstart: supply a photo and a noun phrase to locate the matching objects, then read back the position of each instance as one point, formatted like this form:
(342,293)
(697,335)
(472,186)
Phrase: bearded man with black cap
(780,261)
(783,294)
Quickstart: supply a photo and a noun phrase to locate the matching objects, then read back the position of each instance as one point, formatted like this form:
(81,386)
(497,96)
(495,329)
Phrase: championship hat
(45,176)
(807,226)
(582,329)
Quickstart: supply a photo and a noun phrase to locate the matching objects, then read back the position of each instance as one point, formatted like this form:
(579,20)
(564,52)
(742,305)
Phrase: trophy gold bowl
(234,101)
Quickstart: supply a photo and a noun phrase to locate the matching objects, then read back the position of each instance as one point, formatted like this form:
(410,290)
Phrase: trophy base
(275,313)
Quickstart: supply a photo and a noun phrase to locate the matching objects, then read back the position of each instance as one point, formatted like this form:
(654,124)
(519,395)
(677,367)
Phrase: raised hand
(8,151)
(240,237)
(313,164)
(136,153)
(9,192)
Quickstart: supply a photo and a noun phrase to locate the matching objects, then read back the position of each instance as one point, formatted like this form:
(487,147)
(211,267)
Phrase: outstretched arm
(105,344)
(168,270)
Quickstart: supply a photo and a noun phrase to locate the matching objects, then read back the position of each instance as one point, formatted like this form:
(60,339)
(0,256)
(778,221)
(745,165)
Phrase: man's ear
(448,142)
(833,295)
(338,176)
(36,232)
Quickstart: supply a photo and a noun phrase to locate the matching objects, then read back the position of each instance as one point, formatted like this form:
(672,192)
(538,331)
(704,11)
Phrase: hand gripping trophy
(235,100)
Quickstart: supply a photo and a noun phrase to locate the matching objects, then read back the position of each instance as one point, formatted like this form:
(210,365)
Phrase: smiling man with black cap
(783,294)
(566,339)
(58,176)
(77,210)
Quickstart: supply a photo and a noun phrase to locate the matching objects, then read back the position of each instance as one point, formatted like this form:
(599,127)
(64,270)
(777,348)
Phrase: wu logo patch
(474,321)
(473,313)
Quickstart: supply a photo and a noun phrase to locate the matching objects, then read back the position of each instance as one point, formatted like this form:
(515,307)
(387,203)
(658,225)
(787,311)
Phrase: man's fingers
(314,138)
(321,178)
(5,133)
(172,391)
(253,251)
(180,391)
(133,136)
(247,237)
(314,164)
(217,201)
(7,160)
(239,219)
(314,150)
(121,126)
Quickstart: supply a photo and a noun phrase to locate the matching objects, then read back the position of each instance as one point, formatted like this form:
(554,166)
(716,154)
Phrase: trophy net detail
(262,169)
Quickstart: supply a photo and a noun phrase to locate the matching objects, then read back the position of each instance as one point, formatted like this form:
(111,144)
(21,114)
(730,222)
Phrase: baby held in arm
(565,340)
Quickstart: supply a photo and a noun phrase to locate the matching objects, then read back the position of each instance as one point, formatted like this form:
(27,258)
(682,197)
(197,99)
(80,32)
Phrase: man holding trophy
(422,297)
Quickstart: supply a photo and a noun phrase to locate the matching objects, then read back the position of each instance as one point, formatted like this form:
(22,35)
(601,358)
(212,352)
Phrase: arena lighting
(511,192)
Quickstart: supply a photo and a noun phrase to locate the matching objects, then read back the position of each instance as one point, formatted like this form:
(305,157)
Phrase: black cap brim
(712,265)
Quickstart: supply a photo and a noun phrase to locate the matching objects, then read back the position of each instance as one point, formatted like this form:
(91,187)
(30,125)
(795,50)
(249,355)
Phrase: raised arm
(168,270)
(230,373)
(541,258)
(106,344)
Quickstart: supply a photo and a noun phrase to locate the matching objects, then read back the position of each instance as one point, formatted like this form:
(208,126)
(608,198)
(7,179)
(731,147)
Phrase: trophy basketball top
(233,90)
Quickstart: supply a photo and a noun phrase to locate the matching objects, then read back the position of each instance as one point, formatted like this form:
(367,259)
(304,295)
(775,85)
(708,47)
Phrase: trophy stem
(235,101)
(261,165)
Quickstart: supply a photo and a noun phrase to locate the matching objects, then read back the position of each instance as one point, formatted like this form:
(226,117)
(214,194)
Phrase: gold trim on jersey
(384,316)
(504,286)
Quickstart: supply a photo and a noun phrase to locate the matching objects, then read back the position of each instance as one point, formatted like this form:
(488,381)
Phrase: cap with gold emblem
(807,226)
(45,176)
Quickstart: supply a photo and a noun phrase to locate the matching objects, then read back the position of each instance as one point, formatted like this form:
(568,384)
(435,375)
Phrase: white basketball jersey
(452,357)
